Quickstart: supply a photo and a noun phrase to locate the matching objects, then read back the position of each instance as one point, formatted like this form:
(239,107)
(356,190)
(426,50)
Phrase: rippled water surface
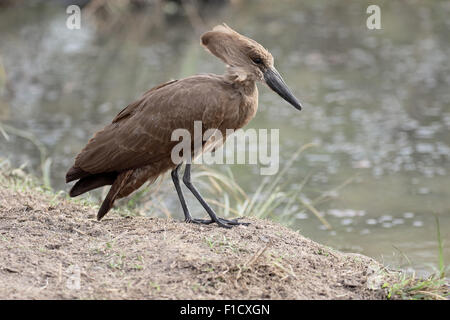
(377,104)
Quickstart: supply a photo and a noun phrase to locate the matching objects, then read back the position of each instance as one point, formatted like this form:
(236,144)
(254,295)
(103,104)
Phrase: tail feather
(76,173)
(92,182)
(116,187)
(106,206)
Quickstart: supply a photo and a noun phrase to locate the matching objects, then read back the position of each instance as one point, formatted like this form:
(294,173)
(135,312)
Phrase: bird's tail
(92,182)
(76,173)
(116,187)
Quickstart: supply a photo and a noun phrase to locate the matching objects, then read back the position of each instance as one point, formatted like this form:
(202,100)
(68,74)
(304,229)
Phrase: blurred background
(373,174)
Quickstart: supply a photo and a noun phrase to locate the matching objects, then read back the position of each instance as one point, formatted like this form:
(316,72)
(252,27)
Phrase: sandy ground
(53,248)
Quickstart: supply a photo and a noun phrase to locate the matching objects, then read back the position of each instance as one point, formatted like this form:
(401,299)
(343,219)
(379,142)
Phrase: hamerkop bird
(136,147)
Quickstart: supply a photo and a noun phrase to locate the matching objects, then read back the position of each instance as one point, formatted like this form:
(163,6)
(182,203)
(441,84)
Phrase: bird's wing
(132,107)
(141,133)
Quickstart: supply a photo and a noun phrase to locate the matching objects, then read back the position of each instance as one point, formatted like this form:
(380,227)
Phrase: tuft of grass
(322,253)
(441,264)
(435,287)
(218,242)
(154,286)
(410,288)
(270,200)
(46,161)
(117,261)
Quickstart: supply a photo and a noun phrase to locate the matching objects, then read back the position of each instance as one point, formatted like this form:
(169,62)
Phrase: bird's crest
(224,28)
(237,51)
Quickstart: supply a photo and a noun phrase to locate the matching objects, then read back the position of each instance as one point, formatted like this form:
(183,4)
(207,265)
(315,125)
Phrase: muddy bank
(53,248)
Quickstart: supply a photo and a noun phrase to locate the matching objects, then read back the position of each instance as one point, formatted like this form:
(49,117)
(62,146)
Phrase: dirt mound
(53,248)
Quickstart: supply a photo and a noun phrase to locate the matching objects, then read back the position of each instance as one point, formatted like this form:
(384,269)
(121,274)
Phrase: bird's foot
(220,221)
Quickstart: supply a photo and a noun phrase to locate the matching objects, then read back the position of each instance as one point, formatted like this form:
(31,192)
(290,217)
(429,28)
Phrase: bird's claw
(220,221)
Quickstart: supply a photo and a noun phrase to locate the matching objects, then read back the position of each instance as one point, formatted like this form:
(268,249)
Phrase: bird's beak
(277,84)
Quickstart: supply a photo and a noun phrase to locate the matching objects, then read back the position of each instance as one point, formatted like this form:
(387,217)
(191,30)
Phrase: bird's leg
(187,216)
(176,182)
(221,222)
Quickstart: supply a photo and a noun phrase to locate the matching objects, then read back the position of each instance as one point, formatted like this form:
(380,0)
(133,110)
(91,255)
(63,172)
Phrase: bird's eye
(257,60)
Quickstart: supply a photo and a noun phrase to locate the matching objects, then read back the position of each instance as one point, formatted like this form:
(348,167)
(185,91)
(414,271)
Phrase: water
(376,102)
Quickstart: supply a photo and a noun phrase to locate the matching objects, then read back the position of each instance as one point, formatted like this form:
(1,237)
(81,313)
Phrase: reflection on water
(376,101)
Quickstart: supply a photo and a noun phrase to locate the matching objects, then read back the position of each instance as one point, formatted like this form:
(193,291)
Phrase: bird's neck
(245,84)
(240,77)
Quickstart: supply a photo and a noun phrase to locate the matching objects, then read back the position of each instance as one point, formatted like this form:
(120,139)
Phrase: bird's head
(246,59)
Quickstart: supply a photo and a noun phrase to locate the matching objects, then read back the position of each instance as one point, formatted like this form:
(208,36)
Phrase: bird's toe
(225,223)
(234,222)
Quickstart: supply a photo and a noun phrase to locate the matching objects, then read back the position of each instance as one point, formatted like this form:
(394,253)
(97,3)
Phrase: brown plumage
(136,147)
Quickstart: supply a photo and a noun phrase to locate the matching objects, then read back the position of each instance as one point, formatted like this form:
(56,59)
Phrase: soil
(53,248)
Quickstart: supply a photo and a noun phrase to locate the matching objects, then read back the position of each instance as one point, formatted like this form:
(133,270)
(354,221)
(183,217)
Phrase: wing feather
(141,133)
